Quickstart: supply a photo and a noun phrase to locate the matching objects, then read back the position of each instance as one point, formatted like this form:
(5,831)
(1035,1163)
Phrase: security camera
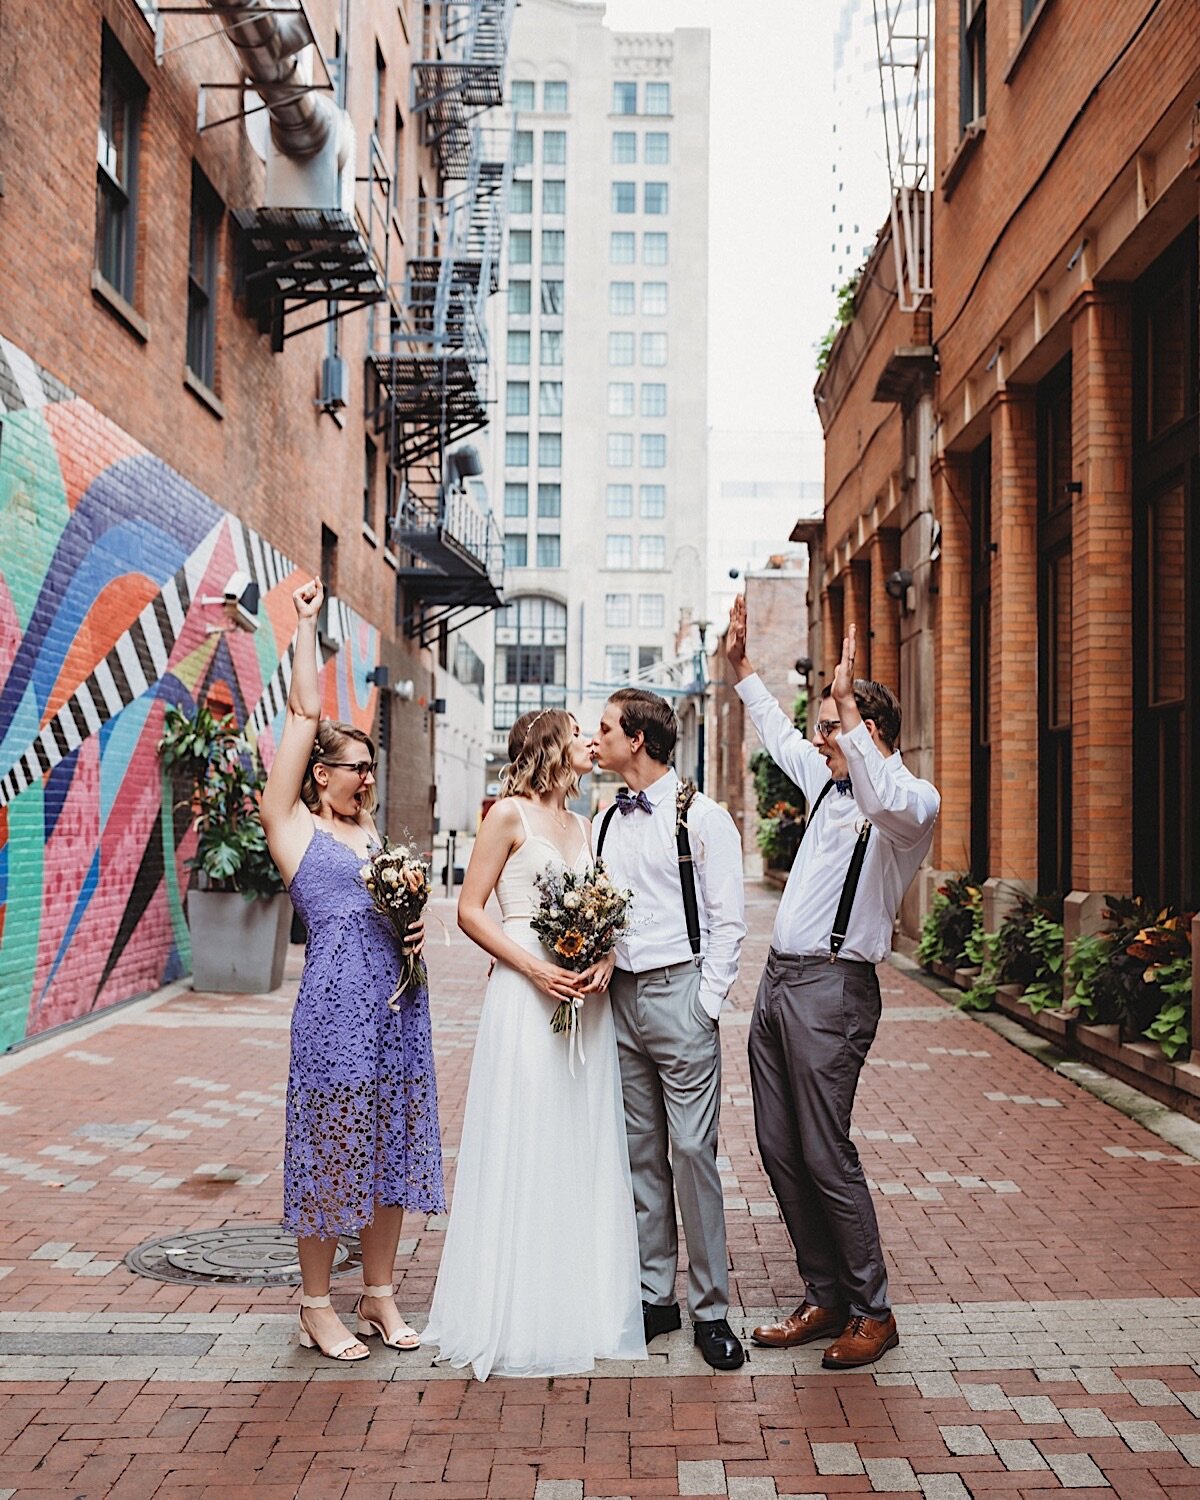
(240,601)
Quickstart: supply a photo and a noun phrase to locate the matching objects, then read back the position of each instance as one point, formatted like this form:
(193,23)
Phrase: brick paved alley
(1042,1249)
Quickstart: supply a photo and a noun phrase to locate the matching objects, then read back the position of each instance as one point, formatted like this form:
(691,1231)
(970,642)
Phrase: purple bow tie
(626,801)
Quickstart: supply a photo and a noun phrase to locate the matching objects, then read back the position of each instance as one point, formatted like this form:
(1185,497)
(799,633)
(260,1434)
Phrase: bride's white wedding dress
(539,1274)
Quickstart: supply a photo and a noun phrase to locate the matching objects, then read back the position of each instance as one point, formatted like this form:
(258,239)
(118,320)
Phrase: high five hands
(843,684)
(735,639)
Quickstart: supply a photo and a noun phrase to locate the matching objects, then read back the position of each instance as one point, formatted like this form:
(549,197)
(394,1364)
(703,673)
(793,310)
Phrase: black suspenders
(687,879)
(850,886)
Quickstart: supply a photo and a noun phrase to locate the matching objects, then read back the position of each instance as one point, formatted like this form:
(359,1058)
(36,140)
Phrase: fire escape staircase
(464,80)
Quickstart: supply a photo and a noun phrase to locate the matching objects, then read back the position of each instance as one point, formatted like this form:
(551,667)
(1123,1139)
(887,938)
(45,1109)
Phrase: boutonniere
(683,800)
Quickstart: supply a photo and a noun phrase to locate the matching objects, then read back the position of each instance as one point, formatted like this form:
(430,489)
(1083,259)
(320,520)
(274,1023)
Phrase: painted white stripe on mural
(108,688)
(25,373)
(83,696)
(33,767)
(159,654)
(237,535)
(193,569)
(128,658)
(170,598)
(69,728)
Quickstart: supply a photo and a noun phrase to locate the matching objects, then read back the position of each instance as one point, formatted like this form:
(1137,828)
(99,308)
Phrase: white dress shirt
(901,808)
(641,855)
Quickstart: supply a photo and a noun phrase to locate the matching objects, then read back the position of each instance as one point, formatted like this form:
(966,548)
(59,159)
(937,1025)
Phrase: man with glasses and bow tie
(681,855)
(869,828)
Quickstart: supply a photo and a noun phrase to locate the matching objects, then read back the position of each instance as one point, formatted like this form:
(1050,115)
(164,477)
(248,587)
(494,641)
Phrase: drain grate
(233,1255)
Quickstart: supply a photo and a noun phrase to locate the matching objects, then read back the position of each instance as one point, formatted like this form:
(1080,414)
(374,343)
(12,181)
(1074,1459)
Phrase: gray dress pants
(813,1025)
(670,1055)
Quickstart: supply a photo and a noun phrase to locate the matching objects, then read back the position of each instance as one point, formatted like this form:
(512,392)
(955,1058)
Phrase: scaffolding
(903,43)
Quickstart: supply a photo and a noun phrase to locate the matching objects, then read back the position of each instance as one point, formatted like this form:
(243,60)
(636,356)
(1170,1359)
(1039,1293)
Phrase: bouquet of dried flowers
(397,880)
(579,917)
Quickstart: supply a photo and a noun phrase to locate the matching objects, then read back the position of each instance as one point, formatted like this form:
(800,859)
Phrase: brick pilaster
(952,666)
(885,611)
(831,634)
(856,589)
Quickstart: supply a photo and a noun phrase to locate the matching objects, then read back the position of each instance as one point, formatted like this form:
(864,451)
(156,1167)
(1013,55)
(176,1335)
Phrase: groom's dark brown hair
(650,716)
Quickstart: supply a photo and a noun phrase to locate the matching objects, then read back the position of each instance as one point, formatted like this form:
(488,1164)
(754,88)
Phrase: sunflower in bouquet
(397,880)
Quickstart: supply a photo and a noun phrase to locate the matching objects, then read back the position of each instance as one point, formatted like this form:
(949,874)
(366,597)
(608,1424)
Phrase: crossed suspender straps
(841,920)
(687,880)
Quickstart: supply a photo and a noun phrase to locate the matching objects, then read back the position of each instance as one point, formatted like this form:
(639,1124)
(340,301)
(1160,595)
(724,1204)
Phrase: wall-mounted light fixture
(1077,253)
(898,583)
(804,665)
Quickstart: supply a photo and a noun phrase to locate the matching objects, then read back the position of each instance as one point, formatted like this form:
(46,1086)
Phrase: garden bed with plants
(1120,997)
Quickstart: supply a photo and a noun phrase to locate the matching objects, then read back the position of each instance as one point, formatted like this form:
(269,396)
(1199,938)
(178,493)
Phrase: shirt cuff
(859,738)
(711,1002)
(751,689)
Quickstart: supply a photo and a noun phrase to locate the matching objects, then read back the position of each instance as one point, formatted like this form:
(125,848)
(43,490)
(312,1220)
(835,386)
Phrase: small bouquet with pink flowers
(397,880)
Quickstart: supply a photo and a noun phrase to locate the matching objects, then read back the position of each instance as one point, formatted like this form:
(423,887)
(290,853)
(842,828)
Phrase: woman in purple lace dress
(362,1139)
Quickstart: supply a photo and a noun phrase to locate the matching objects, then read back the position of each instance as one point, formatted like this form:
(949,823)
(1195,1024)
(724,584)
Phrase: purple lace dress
(362,1120)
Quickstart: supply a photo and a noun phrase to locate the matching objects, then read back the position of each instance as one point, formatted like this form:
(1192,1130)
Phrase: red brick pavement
(1045,1213)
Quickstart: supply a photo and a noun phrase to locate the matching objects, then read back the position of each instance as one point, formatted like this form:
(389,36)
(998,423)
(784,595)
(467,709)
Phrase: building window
(620,348)
(380,94)
(554,196)
(654,399)
(516,398)
(618,501)
(520,247)
(516,551)
(519,301)
(531,658)
(652,552)
(550,450)
(618,611)
(202,282)
(370,471)
(397,159)
(549,551)
(654,348)
(624,147)
(1027,9)
(523,148)
(624,99)
(554,148)
(549,500)
(654,249)
(622,248)
(649,657)
(518,346)
(552,298)
(618,550)
(657,148)
(620,398)
(652,611)
(620,450)
(554,97)
(516,500)
(654,450)
(550,349)
(654,298)
(652,501)
(554,247)
(624,197)
(616,663)
(550,398)
(521,196)
(522,94)
(121,96)
(972,103)
(658,98)
(654,197)
(622,298)
(516,450)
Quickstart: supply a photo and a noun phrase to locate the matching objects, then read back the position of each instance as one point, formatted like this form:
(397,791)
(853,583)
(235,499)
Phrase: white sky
(771,165)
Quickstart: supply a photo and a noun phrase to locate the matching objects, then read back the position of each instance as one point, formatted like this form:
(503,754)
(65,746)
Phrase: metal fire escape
(461,76)
(431,376)
(903,39)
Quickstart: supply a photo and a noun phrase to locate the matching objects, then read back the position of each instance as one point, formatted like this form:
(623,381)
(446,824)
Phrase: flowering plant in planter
(1026,950)
(953,928)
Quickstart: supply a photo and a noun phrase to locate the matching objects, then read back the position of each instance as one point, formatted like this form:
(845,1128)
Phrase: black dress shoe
(657,1318)
(718,1345)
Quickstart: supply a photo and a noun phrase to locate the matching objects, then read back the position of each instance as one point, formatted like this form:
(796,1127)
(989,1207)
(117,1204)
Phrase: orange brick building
(1024,446)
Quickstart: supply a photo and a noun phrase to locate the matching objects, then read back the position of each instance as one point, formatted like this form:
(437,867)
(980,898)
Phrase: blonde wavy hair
(332,742)
(539,755)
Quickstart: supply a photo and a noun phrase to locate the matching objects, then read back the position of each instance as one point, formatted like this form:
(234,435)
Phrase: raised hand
(308,599)
(843,682)
(735,638)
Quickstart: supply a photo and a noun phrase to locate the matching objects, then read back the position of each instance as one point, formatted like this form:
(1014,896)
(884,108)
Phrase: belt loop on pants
(796,963)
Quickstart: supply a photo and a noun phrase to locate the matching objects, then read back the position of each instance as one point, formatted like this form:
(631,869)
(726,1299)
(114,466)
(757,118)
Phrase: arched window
(531,658)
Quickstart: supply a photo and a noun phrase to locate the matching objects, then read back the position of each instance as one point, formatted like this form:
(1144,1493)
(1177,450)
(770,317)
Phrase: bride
(539,1275)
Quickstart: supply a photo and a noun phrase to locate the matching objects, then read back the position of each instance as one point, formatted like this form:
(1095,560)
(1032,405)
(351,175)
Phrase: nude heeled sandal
(338,1351)
(406,1337)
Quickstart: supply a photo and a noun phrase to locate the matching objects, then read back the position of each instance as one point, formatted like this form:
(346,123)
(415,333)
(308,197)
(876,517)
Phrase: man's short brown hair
(878,703)
(650,716)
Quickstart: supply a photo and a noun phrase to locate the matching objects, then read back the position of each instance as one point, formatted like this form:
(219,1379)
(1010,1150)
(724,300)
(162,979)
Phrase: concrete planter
(238,946)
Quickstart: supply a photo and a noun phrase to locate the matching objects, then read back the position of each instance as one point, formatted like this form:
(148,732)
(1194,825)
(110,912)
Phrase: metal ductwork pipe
(270,44)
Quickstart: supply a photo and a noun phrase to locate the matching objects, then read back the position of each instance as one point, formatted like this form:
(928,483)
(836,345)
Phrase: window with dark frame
(122,94)
(972,101)
(1027,9)
(370,470)
(207,213)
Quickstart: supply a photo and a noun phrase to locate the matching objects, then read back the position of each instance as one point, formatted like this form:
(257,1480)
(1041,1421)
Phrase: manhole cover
(234,1255)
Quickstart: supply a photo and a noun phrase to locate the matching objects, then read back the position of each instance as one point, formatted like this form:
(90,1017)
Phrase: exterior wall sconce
(898,583)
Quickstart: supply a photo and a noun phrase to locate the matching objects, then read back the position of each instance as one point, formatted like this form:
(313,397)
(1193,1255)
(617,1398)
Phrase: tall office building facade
(600,339)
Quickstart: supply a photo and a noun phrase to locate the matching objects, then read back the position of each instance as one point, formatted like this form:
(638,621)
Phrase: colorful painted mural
(112,568)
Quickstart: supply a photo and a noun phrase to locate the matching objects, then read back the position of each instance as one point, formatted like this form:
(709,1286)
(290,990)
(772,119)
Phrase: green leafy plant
(1045,990)
(846,295)
(1025,950)
(223,778)
(1172,1026)
(952,921)
(780,803)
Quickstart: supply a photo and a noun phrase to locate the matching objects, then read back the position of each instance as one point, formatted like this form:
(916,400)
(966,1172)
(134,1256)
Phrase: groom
(673,970)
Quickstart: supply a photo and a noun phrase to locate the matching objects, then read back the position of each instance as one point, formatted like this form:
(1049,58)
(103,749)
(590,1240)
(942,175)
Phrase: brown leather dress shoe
(860,1342)
(808,1322)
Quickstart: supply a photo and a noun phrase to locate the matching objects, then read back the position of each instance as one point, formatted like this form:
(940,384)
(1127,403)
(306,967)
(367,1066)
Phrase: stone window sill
(369,535)
(108,296)
(965,150)
(203,394)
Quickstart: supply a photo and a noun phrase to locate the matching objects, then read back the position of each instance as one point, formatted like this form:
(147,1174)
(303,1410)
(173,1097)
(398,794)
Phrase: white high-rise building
(861,194)
(600,346)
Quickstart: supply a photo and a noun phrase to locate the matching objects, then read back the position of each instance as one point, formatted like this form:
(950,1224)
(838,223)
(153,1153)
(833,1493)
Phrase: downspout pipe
(271,44)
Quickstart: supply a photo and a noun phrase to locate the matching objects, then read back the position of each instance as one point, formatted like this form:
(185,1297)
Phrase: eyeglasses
(361,768)
(826,727)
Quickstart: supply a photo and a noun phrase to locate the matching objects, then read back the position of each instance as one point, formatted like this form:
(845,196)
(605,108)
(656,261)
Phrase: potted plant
(237,910)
